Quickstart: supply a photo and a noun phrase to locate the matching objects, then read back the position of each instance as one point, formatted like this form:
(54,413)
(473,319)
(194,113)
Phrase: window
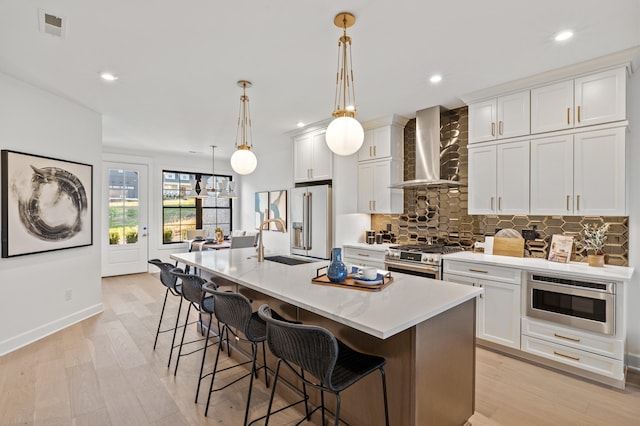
(124,204)
(181,214)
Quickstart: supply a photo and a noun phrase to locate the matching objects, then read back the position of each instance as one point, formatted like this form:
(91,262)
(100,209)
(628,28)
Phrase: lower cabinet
(359,256)
(498,309)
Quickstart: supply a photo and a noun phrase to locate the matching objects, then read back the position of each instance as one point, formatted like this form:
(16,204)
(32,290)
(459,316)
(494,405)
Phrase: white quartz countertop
(407,301)
(610,272)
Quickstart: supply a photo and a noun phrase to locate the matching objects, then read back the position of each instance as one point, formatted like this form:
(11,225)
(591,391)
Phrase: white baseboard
(21,340)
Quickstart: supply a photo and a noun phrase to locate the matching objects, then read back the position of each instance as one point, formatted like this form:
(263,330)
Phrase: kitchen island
(424,328)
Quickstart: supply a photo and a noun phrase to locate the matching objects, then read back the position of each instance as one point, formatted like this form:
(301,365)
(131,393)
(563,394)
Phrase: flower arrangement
(594,237)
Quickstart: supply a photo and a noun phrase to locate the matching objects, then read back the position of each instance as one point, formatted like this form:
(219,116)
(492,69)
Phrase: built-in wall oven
(588,305)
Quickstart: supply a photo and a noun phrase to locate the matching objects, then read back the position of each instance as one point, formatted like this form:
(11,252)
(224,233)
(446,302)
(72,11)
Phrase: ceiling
(178,62)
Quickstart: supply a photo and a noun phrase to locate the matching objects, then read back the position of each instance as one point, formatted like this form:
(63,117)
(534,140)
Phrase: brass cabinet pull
(499,203)
(568,115)
(491,204)
(370,205)
(480,285)
(493,128)
(566,338)
(480,271)
(500,127)
(577,202)
(578,113)
(370,152)
(375,154)
(566,356)
(567,203)
(374,205)
(363,255)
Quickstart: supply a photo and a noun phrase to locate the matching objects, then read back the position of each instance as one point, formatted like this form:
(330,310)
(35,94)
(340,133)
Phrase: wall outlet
(68,294)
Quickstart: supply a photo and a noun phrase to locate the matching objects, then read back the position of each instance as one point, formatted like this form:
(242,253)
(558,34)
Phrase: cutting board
(508,246)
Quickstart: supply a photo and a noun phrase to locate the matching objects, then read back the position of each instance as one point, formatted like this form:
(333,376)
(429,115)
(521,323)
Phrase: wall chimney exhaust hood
(429,155)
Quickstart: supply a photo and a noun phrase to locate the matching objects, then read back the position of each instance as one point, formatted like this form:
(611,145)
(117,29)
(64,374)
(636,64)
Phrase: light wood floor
(104,371)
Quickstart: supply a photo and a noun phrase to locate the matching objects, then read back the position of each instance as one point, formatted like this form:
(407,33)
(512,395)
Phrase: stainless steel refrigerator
(311,221)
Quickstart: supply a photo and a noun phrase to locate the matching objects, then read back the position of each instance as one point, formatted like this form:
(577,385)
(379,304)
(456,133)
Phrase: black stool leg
(155,342)
(338,400)
(273,392)
(264,365)
(306,397)
(175,331)
(204,354)
(254,351)
(322,403)
(213,375)
(384,393)
(184,331)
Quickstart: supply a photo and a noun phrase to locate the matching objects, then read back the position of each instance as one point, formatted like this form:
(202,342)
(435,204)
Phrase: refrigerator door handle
(306,220)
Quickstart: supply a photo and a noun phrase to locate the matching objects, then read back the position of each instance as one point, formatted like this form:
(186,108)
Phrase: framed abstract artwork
(47,204)
(277,207)
(261,207)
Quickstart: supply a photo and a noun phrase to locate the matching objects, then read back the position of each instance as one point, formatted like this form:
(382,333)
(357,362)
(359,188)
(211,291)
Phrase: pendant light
(224,188)
(345,134)
(243,161)
(211,185)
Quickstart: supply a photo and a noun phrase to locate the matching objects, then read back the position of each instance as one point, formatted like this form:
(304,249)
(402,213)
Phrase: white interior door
(125,219)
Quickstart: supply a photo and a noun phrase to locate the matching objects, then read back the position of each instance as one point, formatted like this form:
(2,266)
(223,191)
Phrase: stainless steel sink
(287,260)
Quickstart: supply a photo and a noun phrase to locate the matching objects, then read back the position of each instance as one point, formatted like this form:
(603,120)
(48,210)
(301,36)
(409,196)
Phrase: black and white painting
(46,204)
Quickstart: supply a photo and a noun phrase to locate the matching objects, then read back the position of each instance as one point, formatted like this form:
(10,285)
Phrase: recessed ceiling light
(107,76)
(437,78)
(564,35)
(300,124)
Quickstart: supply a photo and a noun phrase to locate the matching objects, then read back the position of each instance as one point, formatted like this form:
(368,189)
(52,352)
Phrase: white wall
(33,287)
(633,154)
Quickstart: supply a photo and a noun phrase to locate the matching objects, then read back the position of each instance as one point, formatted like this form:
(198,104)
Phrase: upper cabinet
(312,158)
(381,142)
(380,162)
(499,178)
(585,101)
(499,118)
(581,174)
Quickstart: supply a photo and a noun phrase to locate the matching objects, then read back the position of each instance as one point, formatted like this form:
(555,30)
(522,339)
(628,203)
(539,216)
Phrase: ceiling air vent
(52,24)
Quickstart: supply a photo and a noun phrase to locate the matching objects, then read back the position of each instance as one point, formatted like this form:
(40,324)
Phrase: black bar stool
(170,281)
(317,351)
(234,312)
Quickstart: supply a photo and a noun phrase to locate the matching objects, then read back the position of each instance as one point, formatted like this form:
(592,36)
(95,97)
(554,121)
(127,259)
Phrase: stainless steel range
(423,260)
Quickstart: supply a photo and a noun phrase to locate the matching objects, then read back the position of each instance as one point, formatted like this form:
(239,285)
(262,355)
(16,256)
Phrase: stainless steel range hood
(429,154)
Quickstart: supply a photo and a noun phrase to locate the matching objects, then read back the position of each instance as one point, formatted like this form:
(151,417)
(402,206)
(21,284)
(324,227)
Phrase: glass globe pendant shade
(243,161)
(344,136)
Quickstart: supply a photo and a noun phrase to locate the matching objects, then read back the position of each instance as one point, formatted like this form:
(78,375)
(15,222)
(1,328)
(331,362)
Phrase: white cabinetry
(503,117)
(581,174)
(312,158)
(374,194)
(498,309)
(380,161)
(499,178)
(585,101)
(364,256)
(381,142)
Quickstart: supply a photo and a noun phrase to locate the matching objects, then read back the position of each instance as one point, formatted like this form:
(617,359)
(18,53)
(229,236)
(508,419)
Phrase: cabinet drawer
(574,357)
(364,254)
(604,346)
(480,270)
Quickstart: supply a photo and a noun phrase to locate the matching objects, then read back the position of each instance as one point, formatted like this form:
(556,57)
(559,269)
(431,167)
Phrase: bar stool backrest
(235,310)
(191,285)
(166,277)
(310,347)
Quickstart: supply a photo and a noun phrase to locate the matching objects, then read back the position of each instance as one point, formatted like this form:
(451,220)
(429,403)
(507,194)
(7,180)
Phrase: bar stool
(192,291)
(234,312)
(170,281)
(317,351)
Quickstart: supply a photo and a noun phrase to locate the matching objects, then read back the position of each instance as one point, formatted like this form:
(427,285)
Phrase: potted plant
(594,238)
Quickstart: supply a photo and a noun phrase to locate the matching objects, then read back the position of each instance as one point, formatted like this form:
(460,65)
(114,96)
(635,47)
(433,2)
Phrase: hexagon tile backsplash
(440,214)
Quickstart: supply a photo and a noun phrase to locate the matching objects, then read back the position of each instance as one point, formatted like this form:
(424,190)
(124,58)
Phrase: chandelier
(223,187)
(344,135)
(243,161)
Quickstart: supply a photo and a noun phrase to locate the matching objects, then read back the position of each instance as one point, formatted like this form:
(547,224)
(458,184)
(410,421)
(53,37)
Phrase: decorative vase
(337,271)
(596,260)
